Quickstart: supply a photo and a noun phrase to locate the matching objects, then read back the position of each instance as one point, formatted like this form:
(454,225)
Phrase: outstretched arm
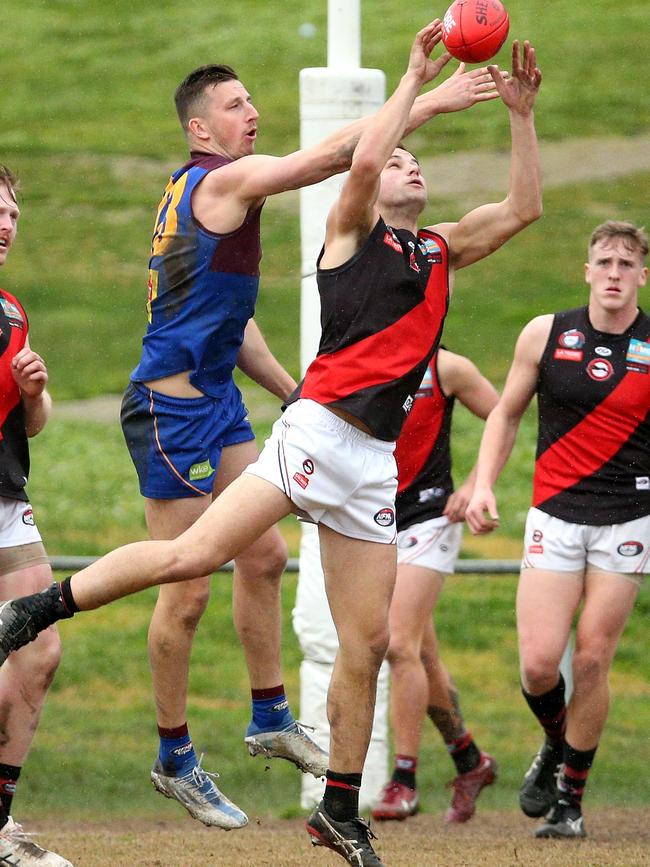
(485,229)
(503,422)
(355,211)
(256,360)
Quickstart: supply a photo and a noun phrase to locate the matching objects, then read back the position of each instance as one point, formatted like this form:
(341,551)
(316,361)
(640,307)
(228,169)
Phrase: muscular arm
(461,378)
(485,229)
(256,360)
(503,422)
(30,374)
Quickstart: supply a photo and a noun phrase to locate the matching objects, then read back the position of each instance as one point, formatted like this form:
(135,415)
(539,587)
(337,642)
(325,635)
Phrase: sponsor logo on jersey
(308,466)
(643,483)
(28,517)
(600,369)
(535,549)
(630,549)
(605,351)
(12,313)
(431,250)
(385,517)
(407,542)
(427,494)
(201,470)
(407,406)
(303,481)
(391,239)
(571,339)
(638,356)
(568,354)
(537,535)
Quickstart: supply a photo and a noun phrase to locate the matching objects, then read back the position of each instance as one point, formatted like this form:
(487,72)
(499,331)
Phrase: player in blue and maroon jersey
(24,566)
(384,291)
(587,537)
(429,523)
(184,419)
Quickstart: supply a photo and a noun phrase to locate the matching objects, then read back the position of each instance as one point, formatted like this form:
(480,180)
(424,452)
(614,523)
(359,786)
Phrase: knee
(400,651)
(589,665)
(265,562)
(538,674)
(366,651)
(37,663)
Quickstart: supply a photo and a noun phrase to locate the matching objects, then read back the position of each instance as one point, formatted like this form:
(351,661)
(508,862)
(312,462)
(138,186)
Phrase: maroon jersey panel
(423,454)
(14,451)
(381,315)
(593,454)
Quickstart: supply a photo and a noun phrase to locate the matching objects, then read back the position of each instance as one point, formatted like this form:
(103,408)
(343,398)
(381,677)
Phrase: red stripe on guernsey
(419,434)
(15,341)
(379,358)
(592,442)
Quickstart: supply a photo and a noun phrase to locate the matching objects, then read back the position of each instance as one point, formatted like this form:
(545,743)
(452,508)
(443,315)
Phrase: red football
(474,30)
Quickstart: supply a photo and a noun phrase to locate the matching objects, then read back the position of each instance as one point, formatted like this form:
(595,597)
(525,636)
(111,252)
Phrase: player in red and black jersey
(587,538)
(330,457)
(24,566)
(430,515)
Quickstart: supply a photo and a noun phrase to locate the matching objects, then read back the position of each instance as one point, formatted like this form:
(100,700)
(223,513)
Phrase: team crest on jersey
(12,313)
(638,356)
(385,517)
(630,549)
(600,369)
(431,250)
(391,239)
(571,339)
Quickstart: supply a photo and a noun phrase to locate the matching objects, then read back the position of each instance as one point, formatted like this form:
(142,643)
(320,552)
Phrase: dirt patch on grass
(617,838)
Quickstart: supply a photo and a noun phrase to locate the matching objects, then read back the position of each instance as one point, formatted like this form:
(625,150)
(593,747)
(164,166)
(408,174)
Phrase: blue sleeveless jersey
(202,288)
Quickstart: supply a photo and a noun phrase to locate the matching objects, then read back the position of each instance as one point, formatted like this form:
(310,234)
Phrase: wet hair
(9,180)
(634,237)
(191,90)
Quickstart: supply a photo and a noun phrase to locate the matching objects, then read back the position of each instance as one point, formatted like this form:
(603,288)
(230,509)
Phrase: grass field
(90,128)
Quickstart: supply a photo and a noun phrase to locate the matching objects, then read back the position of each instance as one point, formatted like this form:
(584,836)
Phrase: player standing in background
(430,517)
(24,409)
(330,457)
(587,537)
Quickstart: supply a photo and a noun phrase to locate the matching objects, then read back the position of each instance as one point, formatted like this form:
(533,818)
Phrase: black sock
(575,770)
(341,798)
(464,753)
(404,771)
(550,710)
(8,778)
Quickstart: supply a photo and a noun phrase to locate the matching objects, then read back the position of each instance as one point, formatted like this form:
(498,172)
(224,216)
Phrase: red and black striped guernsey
(14,451)
(382,314)
(593,450)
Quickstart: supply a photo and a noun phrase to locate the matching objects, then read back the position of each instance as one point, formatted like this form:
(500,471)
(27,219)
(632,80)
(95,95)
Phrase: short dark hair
(401,146)
(634,237)
(9,179)
(191,90)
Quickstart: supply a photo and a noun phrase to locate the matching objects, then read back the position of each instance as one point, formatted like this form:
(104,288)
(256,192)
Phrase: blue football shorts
(175,443)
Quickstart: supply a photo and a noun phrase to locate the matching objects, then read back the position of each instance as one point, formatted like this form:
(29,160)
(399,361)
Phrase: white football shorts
(332,472)
(17,525)
(433,544)
(556,545)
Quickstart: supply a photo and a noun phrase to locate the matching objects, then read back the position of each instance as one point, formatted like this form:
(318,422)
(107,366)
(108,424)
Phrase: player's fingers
(441,61)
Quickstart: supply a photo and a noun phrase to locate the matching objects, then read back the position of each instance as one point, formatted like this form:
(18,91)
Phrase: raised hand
(464,89)
(425,41)
(519,90)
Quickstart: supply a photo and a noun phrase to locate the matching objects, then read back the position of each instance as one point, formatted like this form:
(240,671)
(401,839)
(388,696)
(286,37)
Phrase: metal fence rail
(463,567)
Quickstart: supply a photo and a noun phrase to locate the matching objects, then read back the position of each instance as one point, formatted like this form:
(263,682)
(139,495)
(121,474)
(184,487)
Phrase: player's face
(231,118)
(9,214)
(402,183)
(615,273)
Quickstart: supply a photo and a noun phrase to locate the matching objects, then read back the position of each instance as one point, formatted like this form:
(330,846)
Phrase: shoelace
(199,774)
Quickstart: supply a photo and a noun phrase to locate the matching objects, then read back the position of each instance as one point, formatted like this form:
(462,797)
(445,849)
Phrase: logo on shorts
(308,466)
(643,483)
(303,481)
(535,549)
(537,535)
(444,548)
(28,517)
(408,542)
(385,517)
(600,369)
(572,339)
(630,549)
(201,471)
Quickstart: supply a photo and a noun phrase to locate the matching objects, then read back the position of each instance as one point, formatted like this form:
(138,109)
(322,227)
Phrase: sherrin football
(474,30)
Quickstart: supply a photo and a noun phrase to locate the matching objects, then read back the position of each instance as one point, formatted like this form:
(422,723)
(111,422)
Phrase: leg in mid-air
(359,578)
